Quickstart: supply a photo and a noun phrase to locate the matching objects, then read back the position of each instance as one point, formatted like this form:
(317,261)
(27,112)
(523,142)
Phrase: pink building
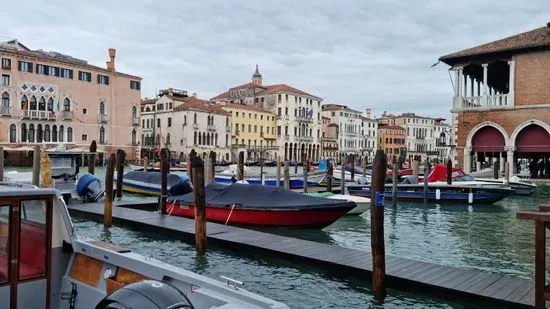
(50,98)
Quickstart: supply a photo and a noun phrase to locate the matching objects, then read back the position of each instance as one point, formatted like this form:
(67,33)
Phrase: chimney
(111,62)
(194,94)
(369,112)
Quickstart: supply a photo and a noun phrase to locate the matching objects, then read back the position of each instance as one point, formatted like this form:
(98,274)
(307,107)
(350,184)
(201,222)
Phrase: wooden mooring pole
(495,169)
(36,166)
(305,170)
(108,206)
(240,166)
(262,171)
(120,156)
(379,167)
(278,181)
(164,170)
(352,163)
(46,171)
(449,171)
(1,163)
(190,158)
(200,205)
(426,172)
(342,180)
(286,175)
(394,182)
(506,173)
(91,157)
(330,171)
(212,170)
(415,168)
(364,166)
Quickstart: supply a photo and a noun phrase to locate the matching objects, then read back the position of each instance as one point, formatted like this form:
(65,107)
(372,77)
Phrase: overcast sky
(374,53)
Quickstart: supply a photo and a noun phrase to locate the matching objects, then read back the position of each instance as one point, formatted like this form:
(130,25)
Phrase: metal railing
(103,118)
(42,115)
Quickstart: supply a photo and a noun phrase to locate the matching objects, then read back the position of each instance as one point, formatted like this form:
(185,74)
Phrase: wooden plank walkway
(473,288)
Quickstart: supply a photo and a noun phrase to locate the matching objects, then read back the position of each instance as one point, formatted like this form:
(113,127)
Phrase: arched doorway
(488,145)
(533,151)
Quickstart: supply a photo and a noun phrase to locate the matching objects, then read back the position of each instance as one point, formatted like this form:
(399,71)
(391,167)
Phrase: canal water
(487,238)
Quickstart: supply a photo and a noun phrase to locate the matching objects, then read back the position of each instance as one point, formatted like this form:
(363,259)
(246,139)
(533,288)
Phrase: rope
(229,216)
(172,207)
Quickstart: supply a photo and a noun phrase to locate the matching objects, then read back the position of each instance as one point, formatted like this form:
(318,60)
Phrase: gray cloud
(373,54)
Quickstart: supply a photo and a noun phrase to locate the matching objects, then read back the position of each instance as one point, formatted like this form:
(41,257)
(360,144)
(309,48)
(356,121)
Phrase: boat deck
(473,288)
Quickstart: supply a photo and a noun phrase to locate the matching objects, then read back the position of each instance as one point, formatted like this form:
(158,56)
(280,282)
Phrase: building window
(31,133)
(47,133)
(134,112)
(69,134)
(85,76)
(102,108)
(102,135)
(135,85)
(25,66)
(84,137)
(50,105)
(102,79)
(6,63)
(249,128)
(169,121)
(53,71)
(195,118)
(33,103)
(67,105)
(5,80)
(13,132)
(5,101)
(61,133)
(134,142)
(41,69)
(42,104)
(54,133)
(158,123)
(84,111)
(39,133)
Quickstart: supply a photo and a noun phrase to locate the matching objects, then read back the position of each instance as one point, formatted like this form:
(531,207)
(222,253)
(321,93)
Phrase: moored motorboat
(45,264)
(148,183)
(248,204)
(253,177)
(363,203)
(439,192)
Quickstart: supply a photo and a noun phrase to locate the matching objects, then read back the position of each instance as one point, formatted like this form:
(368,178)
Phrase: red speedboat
(245,204)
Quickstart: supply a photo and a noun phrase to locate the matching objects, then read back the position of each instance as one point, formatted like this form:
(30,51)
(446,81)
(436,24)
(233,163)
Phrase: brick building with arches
(501,104)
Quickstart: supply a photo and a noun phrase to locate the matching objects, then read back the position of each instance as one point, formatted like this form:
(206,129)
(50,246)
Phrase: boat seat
(32,258)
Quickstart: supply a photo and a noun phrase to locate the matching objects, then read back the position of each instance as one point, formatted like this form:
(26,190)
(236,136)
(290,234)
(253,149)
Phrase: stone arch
(475,129)
(527,123)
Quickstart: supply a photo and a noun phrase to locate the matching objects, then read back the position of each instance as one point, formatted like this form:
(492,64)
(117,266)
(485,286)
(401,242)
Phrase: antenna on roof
(433,65)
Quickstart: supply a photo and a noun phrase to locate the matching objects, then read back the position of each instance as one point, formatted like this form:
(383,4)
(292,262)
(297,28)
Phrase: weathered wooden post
(190,158)
(262,171)
(377,226)
(305,170)
(36,166)
(364,166)
(108,206)
(330,171)
(212,171)
(240,166)
(286,175)
(120,156)
(46,171)
(164,171)
(352,167)
(278,184)
(343,180)
(495,169)
(449,171)
(426,172)
(414,167)
(200,205)
(394,182)
(1,163)
(91,157)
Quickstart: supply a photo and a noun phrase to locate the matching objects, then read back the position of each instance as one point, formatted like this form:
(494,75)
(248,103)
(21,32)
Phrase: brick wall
(532,78)
(508,119)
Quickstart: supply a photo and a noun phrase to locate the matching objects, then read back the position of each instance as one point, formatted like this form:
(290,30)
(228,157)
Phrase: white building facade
(298,115)
(181,123)
(369,132)
(351,128)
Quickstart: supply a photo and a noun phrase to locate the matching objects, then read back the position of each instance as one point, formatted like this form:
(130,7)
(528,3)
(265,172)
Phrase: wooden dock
(472,288)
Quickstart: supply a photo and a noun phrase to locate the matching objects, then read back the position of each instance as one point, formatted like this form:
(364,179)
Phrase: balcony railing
(304,139)
(103,118)
(5,111)
(195,126)
(67,115)
(135,121)
(41,115)
(211,128)
(484,102)
(304,119)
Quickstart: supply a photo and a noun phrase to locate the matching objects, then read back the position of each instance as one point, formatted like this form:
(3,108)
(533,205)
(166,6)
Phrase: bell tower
(257,77)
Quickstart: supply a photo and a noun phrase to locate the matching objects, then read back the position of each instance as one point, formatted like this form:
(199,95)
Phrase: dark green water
(488,238)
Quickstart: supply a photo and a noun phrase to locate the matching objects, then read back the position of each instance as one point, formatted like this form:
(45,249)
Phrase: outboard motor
(147,294)
(88,187)
(184,186)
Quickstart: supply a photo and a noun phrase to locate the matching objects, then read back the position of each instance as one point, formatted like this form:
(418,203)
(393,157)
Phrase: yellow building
(252,130)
